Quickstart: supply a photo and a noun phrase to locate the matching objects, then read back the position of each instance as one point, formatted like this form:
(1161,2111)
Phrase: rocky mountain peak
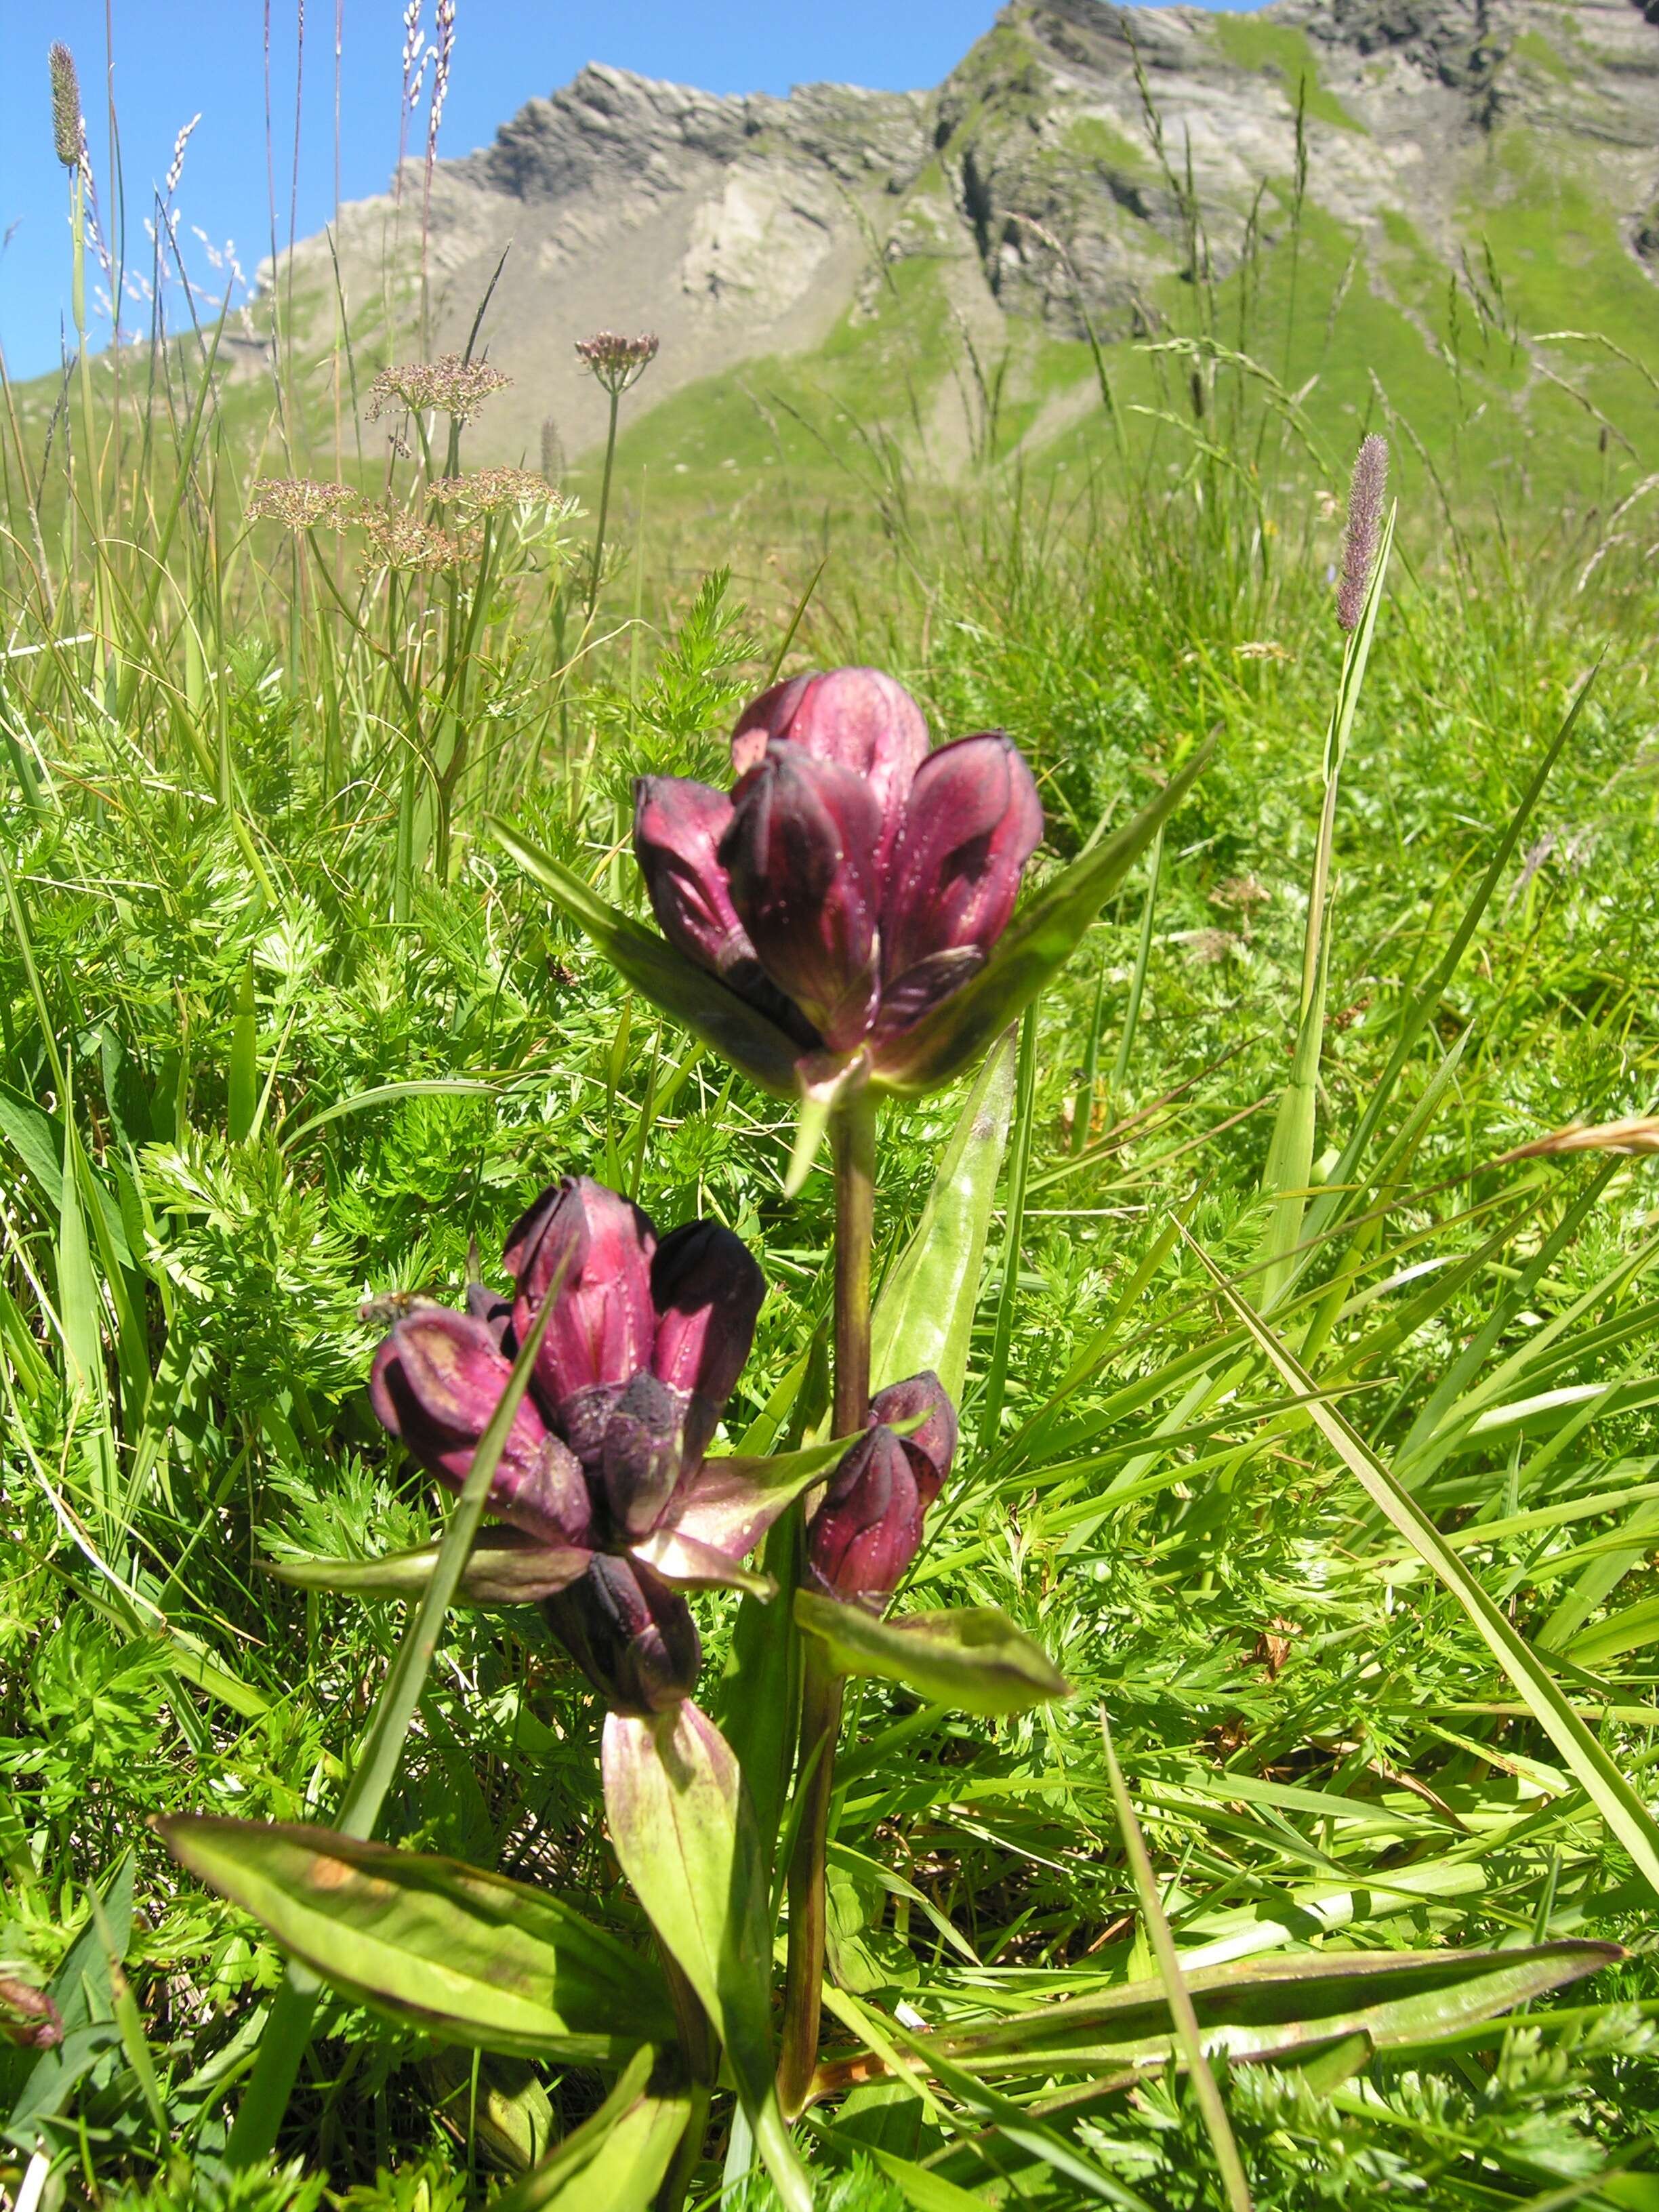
(1056,179)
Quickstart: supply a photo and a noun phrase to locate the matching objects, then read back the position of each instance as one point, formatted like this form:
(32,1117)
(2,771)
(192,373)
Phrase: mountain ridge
(1080,166)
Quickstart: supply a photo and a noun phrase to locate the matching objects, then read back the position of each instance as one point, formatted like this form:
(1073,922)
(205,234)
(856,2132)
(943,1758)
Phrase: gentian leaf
(504,1567)
(688,993)
(1031,952)
(972,1657)
(617,2160)
(467,1954)
(733,1502)
(684,1833)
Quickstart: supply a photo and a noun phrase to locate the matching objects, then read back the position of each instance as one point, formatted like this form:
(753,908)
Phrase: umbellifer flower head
(602,1472)
(302,503)
(448,386)
(616,361)
(851,872)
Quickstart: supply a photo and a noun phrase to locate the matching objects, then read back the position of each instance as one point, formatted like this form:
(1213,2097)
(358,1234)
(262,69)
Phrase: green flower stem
(605,508)
(701,2050)
(852,1132)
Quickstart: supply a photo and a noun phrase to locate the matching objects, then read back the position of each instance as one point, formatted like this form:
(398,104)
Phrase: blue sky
(175,57)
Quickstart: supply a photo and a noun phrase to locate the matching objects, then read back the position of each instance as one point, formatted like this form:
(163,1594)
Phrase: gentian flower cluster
(603,1473)
(852,880)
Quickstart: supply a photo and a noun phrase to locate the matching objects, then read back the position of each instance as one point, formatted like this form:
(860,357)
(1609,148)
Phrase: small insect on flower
(1359,540)
(617,362)
(448,386)
(69,136)
(302,504)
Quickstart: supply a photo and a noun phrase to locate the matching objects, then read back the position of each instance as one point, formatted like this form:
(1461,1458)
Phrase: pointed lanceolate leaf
(616,2161)
(504,1567)
(924,1318)
(733,1502)
(972,1657)
(1029,953)
(688,993)
(437,1944)
(1257,2010)
(684,1833)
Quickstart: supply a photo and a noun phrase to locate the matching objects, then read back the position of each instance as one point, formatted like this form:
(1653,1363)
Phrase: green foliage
(256,786)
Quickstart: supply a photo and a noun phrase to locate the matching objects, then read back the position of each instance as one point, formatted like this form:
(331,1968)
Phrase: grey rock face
(1079,152)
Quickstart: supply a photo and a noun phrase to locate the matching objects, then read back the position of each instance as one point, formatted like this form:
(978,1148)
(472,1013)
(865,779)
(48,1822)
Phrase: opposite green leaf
(504,1567)
(616,2161)
(684,1834)
(468,1955)
(691,994)
(925,1315)
(972,1657)
(1033,949)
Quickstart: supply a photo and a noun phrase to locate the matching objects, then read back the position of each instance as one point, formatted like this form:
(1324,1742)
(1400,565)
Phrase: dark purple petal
(854,718)
(640,1454)
(919,989)
(677,828)
(494,1311)
(868,1528)
(931,1446)
(597,1247)
(436,1381)
(801,857)
(972,822)
(707,1290)
(631,1635)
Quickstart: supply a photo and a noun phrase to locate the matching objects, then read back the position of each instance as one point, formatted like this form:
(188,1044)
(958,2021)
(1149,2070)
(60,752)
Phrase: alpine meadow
(830,1016)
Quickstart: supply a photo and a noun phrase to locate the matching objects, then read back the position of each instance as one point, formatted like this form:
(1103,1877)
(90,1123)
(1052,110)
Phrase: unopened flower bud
(592,1251)
(931,1446)
(854,718)
(868,1528)
(28,2018)
(800,856)
(631,1635)
(436,1382)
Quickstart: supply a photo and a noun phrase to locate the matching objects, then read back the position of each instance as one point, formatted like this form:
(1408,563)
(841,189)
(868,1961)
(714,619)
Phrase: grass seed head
(68,131)
(1366,489)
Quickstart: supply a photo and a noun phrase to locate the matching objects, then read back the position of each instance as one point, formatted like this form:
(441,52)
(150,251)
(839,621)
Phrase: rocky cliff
(1082,160)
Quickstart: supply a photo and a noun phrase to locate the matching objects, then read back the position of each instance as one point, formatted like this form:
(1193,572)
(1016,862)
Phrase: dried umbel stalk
(448,386)
(401,541)
(1366,490)
(617,362)
(302,504)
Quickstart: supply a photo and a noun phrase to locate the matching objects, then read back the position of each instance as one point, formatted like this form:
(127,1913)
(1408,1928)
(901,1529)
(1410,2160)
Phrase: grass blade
(1611,1792)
